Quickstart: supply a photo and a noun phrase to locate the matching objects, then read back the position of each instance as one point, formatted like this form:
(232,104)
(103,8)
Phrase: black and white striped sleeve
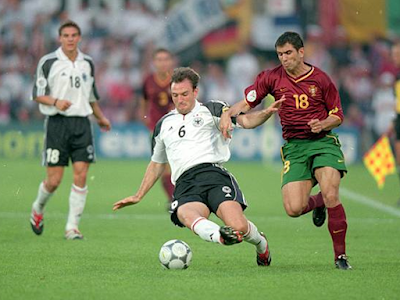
(216,109)
(41,83)
(94,95)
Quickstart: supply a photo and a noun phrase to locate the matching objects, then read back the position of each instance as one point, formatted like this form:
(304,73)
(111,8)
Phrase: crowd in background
(121,49)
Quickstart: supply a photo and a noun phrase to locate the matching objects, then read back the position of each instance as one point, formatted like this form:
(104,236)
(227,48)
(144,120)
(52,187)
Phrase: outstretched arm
(225,124)
(254,119)
(153,172)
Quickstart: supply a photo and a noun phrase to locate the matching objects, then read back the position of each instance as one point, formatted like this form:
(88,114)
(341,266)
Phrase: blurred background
(227,41)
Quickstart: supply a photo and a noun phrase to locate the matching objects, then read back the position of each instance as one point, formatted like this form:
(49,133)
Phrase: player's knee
(293,211)
(53,183)
(331,198)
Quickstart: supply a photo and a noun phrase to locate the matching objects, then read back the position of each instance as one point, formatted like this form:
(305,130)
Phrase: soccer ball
(175,254)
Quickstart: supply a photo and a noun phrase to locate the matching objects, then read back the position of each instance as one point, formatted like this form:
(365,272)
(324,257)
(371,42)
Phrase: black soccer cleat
(342,263)
(229,236)
(319,216)
(264,259)
(37,222)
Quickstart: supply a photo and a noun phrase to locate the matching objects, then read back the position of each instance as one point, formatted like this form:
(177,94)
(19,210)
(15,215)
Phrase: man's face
(69,39)
(396,54)
(289,57)
(163,62)
(184,96)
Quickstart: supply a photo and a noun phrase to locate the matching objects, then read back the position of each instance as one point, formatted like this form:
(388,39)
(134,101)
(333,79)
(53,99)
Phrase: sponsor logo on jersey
(84,77)
(251,96)
(198,121)
(313,90)
(282,89)
(41,82)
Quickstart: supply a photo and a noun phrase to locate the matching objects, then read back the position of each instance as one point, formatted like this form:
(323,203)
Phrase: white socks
(252,236)
(209,231)
(206,230)
(77,200)
(41,199)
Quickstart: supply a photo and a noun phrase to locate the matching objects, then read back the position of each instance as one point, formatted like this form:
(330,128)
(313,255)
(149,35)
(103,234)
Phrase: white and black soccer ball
(175,254)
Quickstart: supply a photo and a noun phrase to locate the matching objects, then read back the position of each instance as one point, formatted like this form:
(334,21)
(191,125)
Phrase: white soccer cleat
(73,234)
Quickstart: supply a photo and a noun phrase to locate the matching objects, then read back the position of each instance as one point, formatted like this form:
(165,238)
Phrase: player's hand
(225,125)
(131,200)
(104,124)
(276,105)
(63,105)
(315,125)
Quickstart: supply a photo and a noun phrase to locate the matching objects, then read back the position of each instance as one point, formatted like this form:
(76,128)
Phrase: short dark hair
(289,37)
(182,73)
(69,23)
(161,50)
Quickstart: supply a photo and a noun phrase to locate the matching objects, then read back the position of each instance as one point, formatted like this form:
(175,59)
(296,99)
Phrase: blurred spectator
(122,39)
(383,104)
(241,69)
(217,85)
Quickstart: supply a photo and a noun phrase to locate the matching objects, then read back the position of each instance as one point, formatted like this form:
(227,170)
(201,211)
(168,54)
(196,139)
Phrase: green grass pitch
(119,257)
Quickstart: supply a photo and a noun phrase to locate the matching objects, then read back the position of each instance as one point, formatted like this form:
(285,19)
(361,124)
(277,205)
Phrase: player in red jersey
(157,101)
(311,154)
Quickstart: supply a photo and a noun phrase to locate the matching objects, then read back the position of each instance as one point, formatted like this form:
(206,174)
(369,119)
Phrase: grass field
(119,257)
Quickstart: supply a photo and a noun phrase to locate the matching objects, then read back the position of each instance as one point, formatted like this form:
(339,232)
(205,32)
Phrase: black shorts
(68,137)
(397,127)
(210,184)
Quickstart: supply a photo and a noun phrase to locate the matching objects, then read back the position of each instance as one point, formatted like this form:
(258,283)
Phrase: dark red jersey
(157,94)
(310,96)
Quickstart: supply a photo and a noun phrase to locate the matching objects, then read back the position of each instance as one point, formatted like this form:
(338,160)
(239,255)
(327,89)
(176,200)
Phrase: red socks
(168,186)
(337,226)
(314,202)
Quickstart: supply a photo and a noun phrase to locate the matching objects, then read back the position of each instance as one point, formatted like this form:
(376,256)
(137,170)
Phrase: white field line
(375,204)
(165,216)
(356,197)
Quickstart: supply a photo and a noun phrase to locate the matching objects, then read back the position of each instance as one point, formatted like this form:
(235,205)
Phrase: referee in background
(66,92)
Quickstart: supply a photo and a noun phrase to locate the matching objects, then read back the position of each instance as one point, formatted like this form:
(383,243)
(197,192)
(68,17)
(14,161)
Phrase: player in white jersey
(189,139)
(66,92)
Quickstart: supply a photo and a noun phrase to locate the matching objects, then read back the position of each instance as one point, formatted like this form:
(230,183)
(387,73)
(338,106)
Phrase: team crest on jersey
(198,121)
(313,90)
(84,77)
(41,82)
(251,96)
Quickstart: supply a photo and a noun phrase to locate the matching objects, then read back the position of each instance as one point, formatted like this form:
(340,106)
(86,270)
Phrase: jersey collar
(61,55)
(195,108)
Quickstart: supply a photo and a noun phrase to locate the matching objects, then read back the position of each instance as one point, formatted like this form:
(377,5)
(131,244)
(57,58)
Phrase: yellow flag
(379,160)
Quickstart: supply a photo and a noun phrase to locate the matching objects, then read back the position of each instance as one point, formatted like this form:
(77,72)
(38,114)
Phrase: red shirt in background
(157,94)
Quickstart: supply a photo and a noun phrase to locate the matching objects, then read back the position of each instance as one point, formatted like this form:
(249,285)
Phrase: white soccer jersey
(185,141)
(59,77)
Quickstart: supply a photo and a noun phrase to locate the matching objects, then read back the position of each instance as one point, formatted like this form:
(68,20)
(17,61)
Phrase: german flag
(379,160)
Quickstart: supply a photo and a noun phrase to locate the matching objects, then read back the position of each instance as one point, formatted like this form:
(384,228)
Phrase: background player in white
(66,92)
(189,139)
